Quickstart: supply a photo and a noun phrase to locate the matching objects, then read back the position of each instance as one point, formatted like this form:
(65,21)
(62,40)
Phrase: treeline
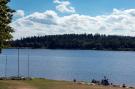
(78,41)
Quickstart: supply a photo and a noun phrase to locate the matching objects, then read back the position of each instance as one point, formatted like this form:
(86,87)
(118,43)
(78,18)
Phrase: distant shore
(68,49)
(78,42)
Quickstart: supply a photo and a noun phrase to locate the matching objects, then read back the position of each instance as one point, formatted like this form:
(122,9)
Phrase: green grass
(3,85)
(53,84)
(46,84)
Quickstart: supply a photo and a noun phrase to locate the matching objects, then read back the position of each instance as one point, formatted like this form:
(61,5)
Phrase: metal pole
(28,64)
(6,67)
(18,63)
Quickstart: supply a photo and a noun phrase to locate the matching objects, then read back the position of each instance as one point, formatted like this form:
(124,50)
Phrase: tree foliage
(5,19)
(76,41)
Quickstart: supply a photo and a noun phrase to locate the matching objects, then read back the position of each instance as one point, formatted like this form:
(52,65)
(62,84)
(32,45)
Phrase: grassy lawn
(3,85)
(46,84)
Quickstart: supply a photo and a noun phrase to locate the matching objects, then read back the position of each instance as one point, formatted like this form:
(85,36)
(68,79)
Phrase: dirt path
(18,85)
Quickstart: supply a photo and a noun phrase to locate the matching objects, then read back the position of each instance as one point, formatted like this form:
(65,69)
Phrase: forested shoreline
(78,41)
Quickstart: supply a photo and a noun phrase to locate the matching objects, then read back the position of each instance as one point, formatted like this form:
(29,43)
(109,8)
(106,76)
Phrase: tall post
(18,63)
(6,67)
(28,64)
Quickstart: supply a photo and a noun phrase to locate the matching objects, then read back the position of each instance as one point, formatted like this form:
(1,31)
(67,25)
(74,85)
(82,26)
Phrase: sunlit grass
(47,84)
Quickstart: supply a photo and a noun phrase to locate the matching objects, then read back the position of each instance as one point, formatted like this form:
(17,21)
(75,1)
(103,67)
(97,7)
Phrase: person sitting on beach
(95,81)
(124,85)
(105,81)
(74,80)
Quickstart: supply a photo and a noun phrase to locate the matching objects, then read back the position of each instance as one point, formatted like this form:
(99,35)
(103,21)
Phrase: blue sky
(49,17)
(87,7)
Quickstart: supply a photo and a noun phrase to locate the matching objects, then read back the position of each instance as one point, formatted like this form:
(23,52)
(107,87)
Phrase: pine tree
(6,14)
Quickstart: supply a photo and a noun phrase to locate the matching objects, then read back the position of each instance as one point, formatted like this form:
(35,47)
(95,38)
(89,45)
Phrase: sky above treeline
(50,17)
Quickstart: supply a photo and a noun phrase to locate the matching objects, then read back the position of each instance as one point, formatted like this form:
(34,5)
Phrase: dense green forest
(78,41)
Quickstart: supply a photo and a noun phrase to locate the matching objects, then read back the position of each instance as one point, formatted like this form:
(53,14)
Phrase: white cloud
(64,6)
(119,22)
(19,13)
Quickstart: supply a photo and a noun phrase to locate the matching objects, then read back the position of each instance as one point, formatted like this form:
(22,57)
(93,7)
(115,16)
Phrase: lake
(84,65)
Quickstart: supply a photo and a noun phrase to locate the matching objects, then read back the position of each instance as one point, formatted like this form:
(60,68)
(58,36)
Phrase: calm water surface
(83,65)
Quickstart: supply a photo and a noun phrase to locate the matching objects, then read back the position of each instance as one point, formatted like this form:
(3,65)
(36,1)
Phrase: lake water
(118,66)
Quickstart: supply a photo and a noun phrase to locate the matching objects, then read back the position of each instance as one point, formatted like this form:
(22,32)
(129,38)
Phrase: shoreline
(74,49)
(90,83)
